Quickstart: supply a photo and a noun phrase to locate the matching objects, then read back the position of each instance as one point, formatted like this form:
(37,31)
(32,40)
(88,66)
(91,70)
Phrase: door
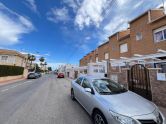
(76,74)
(139,82)
(86,97)
(77,88)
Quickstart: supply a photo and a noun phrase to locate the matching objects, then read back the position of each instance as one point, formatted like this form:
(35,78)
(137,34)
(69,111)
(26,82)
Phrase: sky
(63,31)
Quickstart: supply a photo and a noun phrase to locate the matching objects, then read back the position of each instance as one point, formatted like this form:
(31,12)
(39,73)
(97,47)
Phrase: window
(4,58)
(123,48)
(86,84)
(106,55)
(79,80)
(160,34)
(107,87)
(97,59)
(138,36)
(95,70)
(165,33)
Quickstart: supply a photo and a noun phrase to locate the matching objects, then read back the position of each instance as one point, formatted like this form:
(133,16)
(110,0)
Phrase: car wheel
(72,94)
(98,118)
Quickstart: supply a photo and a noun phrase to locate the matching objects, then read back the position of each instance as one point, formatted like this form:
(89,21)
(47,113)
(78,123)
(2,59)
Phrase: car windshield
(107,86)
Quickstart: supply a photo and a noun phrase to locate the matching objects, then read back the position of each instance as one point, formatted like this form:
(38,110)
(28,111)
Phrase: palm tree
(45,65)
(32,58)
(28,59)
(42,59)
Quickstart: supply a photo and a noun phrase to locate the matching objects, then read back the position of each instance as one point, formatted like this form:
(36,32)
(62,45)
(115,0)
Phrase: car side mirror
(88,90)
(122,85)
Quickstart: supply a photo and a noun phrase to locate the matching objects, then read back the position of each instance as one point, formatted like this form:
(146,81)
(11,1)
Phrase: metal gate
(139,82)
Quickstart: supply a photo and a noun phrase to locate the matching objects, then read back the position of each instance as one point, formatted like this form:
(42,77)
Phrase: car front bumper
(144,118)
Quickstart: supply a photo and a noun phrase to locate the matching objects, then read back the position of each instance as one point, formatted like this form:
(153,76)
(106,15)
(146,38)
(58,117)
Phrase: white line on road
(15,86)
(4,90)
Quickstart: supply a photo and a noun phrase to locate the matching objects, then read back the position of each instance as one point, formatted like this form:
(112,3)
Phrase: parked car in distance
(39,74)
(60,75)
(33,75)
(110,103)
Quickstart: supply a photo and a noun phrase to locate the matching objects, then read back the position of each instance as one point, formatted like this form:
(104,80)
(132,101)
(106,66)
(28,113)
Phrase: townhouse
(136,57)
(120,45)
(146,35)
(148,32)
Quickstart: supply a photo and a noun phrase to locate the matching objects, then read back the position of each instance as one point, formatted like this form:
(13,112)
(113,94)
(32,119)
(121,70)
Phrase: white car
(110,103)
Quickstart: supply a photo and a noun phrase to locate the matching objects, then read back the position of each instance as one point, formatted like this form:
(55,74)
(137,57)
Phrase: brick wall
(102,49)
(142,25)
(158,89)
(114,47)
(122,77)
(155,14)
(128,41)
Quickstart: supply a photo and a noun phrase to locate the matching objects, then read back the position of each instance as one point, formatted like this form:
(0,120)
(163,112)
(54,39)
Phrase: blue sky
(63,31)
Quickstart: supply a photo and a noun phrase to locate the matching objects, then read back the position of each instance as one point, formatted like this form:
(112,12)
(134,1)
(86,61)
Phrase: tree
(45,63)
(38,68)
(42,59)
(32,58)
(49,69)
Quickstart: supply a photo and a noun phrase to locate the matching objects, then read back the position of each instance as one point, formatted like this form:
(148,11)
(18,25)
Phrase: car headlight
(156,112)
(158,116)
(123,119)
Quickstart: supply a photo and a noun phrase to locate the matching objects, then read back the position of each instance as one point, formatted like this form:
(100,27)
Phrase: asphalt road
(40,101)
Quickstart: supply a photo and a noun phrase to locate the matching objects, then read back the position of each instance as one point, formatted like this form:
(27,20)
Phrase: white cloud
(87,38)
(57,15)
(90,12)
(32,5)
(138,4)
(72,3)
(12,26)
(122,2)
(116,24)
(46,54)
(35,54)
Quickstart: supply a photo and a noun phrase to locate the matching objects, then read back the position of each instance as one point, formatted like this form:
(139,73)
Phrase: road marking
(4,90)
(15,86)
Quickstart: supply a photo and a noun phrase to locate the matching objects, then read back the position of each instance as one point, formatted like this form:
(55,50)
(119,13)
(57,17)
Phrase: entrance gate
(139,82)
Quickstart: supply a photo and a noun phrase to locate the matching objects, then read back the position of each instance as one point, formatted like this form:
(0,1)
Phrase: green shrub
(6,70)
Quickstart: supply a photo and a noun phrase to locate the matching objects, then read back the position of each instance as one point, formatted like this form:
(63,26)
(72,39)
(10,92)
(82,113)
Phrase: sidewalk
(11,81)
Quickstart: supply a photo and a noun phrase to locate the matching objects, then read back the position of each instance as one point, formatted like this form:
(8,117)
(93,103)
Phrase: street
(40,101)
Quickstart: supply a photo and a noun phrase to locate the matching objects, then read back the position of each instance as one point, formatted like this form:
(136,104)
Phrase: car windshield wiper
(120,91)
(102,92)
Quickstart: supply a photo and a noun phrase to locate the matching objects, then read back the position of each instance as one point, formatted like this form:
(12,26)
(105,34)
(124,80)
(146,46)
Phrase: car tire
(72,95)
(98,118)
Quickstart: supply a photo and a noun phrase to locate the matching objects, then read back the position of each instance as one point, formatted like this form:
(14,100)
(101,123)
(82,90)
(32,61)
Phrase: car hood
(129,104)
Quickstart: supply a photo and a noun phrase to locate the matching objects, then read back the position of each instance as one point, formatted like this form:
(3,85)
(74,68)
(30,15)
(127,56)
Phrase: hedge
(6,70)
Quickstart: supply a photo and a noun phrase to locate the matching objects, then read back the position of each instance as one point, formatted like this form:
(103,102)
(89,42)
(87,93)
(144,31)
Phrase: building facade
(146,35)
(11,57)
(148,32)
(137,56)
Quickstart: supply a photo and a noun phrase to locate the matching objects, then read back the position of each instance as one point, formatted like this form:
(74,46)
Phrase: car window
(106,86)
(79,80)
(86,84)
